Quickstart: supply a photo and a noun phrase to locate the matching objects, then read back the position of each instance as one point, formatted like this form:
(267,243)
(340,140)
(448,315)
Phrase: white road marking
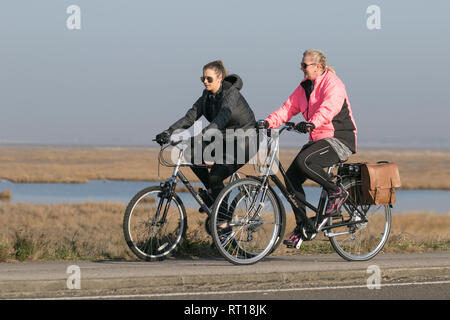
(177,294)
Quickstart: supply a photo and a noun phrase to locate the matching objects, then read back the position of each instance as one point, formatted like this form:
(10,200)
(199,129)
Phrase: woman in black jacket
(225,108)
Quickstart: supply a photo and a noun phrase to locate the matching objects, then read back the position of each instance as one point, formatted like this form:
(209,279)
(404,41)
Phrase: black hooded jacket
(227,109)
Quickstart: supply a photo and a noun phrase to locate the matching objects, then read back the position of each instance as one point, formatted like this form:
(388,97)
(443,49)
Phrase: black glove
(163,137)
(262,124)
(304,127)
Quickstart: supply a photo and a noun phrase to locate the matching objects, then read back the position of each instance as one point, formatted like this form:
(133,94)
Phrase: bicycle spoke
(253,232)
(148,235)
(367,236)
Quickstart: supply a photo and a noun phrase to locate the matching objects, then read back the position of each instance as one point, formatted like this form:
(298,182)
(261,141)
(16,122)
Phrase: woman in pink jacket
(322,100)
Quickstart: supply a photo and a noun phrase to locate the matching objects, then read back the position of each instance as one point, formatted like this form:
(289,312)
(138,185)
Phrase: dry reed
(419,169)
(94,231)
(5,195)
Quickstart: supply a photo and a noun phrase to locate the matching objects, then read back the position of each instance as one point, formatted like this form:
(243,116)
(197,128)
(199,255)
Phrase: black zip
(307,84)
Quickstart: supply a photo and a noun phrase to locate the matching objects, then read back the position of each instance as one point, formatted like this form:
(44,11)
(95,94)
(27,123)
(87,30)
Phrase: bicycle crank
(299,243)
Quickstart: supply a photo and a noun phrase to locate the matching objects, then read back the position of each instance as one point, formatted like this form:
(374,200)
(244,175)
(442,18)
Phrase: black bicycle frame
(171,183)
(292,197)
(195,194)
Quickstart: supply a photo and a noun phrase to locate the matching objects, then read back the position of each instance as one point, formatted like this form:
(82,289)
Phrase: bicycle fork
(168,189)
(165,194)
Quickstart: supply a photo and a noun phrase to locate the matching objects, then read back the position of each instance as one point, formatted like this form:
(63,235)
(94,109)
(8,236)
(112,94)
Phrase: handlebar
(260,125)
(171,143)
(174,143)
(263,125)
(289,126)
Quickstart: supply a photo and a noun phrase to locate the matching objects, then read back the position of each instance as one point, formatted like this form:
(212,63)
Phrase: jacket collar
(318,79)
(214,96)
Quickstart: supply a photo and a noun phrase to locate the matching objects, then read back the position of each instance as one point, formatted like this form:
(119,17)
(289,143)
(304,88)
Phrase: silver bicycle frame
(176,173)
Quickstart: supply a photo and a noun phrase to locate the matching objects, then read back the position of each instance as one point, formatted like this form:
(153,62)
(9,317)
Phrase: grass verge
(89,231)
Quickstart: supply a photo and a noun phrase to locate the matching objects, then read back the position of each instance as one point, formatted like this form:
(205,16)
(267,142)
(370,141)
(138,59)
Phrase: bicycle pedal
(287,243)
(290,245)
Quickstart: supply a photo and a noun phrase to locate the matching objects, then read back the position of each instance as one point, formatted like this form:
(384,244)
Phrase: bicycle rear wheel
(147,234)
(363,240)
(254,227)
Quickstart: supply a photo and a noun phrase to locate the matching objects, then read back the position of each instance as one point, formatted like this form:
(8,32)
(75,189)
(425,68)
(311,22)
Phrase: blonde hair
(318,57)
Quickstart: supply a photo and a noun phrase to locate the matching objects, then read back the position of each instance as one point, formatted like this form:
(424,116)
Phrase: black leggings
(309,164)
(213,178)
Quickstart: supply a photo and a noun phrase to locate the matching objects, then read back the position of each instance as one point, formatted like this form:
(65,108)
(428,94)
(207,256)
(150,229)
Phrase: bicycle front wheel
(364,239)
(153,226)
(245,227)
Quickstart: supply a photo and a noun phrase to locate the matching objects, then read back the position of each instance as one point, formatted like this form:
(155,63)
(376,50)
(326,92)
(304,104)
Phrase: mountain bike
(155,219)
(248,218)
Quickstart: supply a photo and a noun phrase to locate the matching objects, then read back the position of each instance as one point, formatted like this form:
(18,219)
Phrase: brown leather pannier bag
(379,181)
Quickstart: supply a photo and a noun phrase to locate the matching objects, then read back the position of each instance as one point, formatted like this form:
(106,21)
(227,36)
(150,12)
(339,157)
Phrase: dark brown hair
(217,66)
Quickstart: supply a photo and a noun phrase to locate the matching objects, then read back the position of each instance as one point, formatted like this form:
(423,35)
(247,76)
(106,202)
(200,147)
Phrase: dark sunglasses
(209,79)
(304,65)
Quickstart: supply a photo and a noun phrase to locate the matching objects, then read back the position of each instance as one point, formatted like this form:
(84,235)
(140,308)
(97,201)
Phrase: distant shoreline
(154,146)
(181,188)
(419,169)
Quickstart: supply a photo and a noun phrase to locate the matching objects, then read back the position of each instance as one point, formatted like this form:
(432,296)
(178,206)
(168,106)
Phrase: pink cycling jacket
(324,103)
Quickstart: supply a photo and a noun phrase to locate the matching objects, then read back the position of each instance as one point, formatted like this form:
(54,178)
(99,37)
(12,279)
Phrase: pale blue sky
(134,67)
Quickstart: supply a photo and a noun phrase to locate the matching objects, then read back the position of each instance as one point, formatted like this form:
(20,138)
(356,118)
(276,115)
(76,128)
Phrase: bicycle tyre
(145,238)
(282,216)
(241,247)
(367,239)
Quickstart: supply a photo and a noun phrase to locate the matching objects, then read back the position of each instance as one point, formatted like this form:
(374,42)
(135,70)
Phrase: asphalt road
(427,290)
(387,276)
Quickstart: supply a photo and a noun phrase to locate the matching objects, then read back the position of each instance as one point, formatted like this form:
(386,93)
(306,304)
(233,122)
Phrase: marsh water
(437,201)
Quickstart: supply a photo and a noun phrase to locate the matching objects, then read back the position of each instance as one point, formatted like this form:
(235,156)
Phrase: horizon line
(368,147)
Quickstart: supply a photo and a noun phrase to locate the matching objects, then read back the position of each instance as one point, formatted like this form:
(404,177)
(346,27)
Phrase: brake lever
(174,143)
(289,126)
